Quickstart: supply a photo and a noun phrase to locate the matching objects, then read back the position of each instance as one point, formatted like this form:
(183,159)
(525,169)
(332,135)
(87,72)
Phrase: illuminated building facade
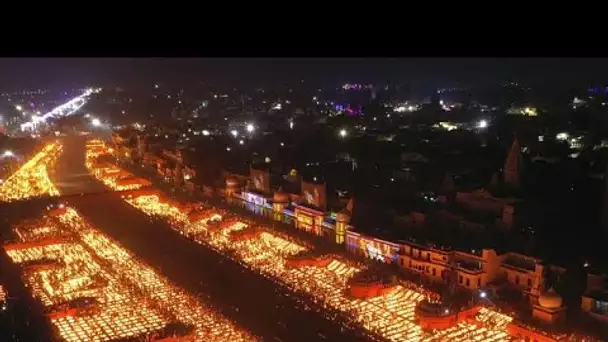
(342,220)
(476,269)
(309,219)
(280,200)
(372,248)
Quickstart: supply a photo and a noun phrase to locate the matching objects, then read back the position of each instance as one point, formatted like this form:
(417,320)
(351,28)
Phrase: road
(254,302)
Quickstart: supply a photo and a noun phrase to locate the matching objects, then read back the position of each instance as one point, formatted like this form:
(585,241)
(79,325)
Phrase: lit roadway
(254,302)
(66,109)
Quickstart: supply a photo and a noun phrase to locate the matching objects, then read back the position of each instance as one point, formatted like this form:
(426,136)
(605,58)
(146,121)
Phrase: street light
(482,124)
(250,128)
(18,107)
(234,133)
(343,133)
(96,122)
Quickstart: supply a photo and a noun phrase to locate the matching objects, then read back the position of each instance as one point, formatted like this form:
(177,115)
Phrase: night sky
(437,72)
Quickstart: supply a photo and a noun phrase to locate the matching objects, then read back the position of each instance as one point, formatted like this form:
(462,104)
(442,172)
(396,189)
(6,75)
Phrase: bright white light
(18,107)
(36,119)
(562,136)
(483,294)
(267,159)
(205,132)
(482,124)
(241,142)
(96,122)
(228,149)
(282,144)
(156,86)
(8,153)
(250,128)
(234,133)
(343,133)
(290,124)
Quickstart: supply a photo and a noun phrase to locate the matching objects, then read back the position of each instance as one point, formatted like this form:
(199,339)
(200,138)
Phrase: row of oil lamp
(95,290)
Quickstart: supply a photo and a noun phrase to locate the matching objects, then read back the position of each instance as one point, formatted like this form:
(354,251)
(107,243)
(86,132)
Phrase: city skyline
(427,72)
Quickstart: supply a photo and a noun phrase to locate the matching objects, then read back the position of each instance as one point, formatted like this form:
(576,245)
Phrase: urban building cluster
(516,281)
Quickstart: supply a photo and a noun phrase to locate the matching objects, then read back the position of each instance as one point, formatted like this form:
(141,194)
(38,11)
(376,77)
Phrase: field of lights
(123,297)
(389,317)
(32,179)
(112,176)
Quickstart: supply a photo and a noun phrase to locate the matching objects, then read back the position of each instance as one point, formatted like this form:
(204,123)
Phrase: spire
(511,171)
(349,205)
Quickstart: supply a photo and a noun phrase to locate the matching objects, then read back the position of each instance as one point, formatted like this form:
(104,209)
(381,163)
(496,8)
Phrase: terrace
(32,179)
(519,263)
(389,317)
(129,298)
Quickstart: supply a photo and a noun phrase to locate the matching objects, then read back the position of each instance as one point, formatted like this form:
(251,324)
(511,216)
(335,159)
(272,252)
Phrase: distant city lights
(403,109)
(482,124)
(250,128)
(205,132)
(562,136)
(18,107)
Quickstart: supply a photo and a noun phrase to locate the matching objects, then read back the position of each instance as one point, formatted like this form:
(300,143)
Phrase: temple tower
(512,165)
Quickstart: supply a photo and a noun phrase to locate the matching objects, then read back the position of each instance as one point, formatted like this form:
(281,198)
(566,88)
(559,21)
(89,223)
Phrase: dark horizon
(424,72)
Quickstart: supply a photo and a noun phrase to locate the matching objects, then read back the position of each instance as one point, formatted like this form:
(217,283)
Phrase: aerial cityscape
(242,199)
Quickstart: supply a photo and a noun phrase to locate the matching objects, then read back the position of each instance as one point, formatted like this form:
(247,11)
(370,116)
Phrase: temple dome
(550,300)
(280,197)
(232,182)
